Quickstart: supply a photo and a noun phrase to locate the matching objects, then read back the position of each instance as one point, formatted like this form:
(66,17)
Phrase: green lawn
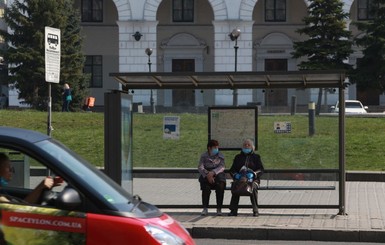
(84,133)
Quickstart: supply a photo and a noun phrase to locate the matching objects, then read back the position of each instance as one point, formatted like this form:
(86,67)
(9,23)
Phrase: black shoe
(232,214)
(255,214)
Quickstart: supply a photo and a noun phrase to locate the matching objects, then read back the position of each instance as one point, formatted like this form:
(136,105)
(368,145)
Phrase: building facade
(193,35)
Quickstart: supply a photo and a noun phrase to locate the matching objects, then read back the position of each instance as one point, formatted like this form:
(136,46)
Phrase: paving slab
(364,220)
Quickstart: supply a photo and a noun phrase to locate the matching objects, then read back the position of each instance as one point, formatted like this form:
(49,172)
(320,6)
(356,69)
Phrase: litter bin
(137,107)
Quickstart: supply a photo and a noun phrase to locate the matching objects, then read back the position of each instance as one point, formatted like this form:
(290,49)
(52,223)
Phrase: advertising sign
(232,125)
(41,226)
(282,127)
(126,141)
(171,127)
(52,54)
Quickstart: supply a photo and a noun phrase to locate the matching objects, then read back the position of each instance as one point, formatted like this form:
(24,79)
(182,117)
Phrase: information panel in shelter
(232,125)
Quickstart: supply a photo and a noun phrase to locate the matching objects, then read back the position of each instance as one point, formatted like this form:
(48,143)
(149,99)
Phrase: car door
(40,222)
(22,223)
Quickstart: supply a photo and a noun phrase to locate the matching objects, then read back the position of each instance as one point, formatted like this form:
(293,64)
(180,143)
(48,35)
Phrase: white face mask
(246,150)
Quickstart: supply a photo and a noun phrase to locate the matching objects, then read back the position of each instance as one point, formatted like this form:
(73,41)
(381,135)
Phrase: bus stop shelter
(251,80)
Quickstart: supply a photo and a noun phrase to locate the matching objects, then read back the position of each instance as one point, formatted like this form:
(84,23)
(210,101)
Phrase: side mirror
(68,199)
(365,107)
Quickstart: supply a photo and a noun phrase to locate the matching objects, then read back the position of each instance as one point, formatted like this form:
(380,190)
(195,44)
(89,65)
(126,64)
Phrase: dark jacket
(66,93)
(251,160)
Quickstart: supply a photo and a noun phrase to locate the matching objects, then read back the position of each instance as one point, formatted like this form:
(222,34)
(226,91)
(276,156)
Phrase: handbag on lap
(241,187)
(243,181)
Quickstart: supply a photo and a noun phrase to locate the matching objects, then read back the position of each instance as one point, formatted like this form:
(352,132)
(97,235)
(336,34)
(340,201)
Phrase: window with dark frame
(94,67)
(92,10)
(183,10)
(365,9)
(275,10)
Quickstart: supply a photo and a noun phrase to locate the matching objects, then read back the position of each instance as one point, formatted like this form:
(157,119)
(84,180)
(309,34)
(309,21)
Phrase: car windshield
(89,177)
(353,105)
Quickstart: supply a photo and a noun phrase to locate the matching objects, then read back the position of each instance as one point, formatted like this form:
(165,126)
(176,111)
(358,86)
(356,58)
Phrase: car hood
(355,110)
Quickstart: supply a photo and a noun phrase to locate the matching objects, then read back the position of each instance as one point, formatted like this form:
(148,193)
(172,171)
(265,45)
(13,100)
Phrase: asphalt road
(272,242)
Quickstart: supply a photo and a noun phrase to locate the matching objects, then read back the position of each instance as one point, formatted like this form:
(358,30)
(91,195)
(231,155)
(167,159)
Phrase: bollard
(311,118)
(293,105)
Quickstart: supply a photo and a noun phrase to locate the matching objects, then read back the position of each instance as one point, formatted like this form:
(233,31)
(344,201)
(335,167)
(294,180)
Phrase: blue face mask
(214,151)
(3,182)
(246,150)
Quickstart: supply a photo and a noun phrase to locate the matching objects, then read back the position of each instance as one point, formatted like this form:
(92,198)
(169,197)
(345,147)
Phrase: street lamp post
(234,37)
(149,52)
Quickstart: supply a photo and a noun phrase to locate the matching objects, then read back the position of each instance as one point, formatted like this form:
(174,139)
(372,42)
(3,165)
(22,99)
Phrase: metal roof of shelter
(231,80)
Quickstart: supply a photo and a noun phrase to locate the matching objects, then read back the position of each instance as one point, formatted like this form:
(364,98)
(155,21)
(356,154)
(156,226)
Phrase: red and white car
(89,207)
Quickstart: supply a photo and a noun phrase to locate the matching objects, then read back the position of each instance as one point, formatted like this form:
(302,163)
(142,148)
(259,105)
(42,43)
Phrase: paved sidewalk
(364,222)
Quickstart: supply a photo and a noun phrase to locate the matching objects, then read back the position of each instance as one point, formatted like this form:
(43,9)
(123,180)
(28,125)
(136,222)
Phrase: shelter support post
(341,157)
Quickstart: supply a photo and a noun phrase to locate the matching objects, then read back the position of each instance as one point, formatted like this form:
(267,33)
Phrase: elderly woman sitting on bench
(249,160)
(212,176)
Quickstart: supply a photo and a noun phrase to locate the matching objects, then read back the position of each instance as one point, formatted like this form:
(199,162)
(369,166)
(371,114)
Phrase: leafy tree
(25,54)
(329,44)
(370,71)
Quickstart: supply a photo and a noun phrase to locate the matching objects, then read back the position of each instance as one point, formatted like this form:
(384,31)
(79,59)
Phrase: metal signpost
(52,65)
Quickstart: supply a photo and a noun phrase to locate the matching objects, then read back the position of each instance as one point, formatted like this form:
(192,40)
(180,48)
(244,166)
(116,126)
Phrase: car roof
(353,101)
(20,134)
(349,101)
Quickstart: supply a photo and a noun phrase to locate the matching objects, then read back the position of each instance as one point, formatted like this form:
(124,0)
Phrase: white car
(351,107)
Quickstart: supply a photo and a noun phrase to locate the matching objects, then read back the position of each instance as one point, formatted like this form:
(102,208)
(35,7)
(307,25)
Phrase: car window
(353,105)
(100,191)
(88,176)
(24,176)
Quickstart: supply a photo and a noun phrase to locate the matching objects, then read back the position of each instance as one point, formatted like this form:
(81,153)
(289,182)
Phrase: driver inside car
(6,171)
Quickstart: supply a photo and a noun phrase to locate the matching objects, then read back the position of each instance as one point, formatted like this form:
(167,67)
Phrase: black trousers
(65,106)
(253,198)
(219,188)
